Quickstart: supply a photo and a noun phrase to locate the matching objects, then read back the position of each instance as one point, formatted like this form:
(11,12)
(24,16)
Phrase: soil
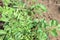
(53,7)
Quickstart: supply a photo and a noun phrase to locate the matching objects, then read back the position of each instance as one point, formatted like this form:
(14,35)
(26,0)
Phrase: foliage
(20,23)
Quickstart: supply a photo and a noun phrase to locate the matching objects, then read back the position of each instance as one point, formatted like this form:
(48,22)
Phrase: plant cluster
(20,23)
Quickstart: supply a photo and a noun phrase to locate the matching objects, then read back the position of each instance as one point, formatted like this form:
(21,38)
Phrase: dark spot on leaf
(36,17)
(0,15)
(10,5)
(1,25)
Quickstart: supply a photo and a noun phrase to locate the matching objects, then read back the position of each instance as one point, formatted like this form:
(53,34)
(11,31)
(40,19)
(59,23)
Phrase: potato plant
(20,23)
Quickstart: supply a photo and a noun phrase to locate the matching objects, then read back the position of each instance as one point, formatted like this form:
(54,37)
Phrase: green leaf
(1,9)
(43,7)
(54,33)
(58,27)
(6,2)
(1,37)
(44,25)
(2,32)
(53,23)
(42,35)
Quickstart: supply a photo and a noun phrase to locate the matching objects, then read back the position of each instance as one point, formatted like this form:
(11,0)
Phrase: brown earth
(53,7)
